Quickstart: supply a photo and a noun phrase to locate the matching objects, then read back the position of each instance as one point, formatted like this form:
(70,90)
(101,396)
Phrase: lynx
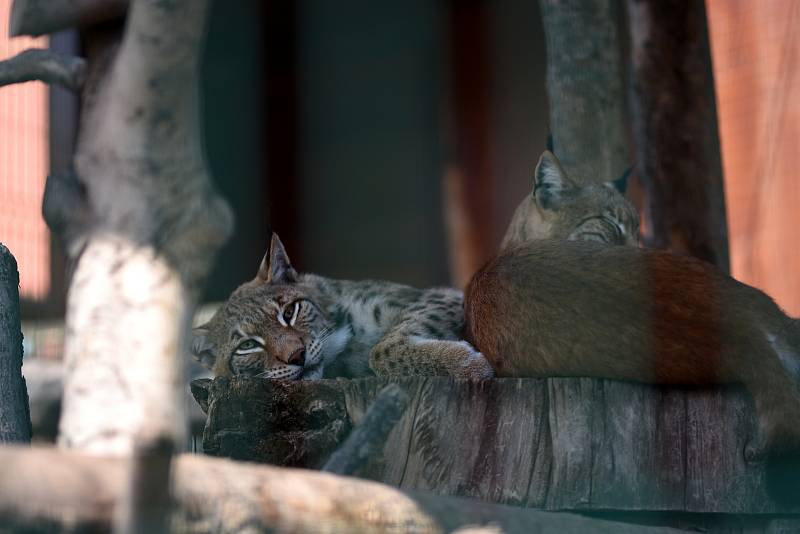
(579,309)
(559,208)
(287,325)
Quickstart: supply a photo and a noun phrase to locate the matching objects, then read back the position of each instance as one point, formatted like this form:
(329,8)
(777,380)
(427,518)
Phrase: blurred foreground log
(557,444)
(46,490)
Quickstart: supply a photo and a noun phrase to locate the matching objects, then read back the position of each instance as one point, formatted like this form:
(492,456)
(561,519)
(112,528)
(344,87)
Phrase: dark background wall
(327,122)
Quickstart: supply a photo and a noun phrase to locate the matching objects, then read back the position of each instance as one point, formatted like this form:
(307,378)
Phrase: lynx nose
(298,357)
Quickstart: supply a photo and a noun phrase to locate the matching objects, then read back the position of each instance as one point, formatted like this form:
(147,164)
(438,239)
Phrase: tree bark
(45,490)
(15,421)
(584,87)
(675,129)
(156,224)
(39,17)
(556,443)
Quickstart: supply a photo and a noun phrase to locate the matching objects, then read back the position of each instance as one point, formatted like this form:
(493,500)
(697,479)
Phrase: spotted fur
(302,326)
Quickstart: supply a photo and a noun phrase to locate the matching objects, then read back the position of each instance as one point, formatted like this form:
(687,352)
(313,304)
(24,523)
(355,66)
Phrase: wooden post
(675,129)
(15,421)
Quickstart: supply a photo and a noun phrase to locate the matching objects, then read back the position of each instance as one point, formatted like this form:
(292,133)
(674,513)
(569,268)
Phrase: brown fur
(577,309)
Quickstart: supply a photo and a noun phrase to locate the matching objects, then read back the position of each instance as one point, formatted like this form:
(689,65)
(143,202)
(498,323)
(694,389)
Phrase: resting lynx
(302,326)
(559,208)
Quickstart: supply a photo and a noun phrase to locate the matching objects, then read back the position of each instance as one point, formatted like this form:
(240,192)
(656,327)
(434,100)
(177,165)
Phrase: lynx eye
(248,345)
(290,312)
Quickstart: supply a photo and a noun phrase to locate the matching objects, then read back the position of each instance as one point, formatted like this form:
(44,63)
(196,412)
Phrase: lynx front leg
(415,355)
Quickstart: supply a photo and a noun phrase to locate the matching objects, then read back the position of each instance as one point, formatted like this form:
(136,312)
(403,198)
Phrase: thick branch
(15,422)
(59,491)
(45,66)
(369,437)
(38,17)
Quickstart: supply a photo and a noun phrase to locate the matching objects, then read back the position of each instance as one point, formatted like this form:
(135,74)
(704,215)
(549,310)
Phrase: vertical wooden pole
(675,129)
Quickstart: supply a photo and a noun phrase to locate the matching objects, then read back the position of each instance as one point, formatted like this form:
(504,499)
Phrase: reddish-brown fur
(579,309)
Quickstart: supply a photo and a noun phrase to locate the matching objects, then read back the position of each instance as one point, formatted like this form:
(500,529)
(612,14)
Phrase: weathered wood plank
(558,443)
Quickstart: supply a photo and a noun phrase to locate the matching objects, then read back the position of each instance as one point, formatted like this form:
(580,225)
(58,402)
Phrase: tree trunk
(556,443)
(584,87)
(156,223)
(15,421)
(44,490)
(675,129)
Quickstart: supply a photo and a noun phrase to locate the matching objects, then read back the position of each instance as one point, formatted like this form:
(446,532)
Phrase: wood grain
(558,444)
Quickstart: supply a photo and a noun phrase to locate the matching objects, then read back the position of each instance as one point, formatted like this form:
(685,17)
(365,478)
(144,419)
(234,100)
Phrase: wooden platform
(597,446)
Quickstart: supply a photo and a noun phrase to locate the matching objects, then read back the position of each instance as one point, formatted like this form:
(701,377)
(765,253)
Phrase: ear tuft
(275,266)
(202,348)
(551,184)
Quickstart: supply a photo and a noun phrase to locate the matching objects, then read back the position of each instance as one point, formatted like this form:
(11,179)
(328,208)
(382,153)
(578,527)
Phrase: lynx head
(559,208)
(269,327)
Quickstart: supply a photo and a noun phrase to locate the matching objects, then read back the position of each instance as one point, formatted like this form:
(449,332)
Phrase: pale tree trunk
(584,87)
(15,422)
(675,128)
(155,225)
(141,219)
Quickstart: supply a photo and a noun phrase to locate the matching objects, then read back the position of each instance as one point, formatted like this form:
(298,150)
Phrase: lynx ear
(621,183)
(202,348)
(551,184)
(275,267)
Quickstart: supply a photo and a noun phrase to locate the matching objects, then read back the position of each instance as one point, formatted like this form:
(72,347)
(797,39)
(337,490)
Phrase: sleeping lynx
(287,325)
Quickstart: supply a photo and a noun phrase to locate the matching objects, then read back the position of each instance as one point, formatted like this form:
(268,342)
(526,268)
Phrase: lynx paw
(475,367)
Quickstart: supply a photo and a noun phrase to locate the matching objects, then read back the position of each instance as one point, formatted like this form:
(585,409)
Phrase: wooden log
(556,444)
(46,490)
(38,17)
(15,421)
(674,117)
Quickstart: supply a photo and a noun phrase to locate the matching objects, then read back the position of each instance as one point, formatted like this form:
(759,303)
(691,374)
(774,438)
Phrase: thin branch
(39,17)
(46,66)
(369,437)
